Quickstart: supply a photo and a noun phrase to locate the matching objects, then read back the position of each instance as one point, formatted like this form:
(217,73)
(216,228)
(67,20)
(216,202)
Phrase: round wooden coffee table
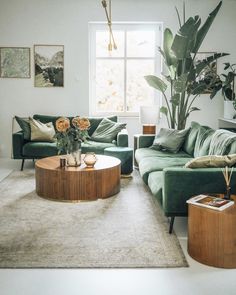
(212,235)
(75,184)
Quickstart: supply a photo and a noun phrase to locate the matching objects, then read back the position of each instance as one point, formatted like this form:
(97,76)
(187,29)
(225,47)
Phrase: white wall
(29,22)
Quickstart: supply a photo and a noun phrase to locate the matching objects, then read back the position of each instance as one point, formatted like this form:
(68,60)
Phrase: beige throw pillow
(212,161)
(41,131)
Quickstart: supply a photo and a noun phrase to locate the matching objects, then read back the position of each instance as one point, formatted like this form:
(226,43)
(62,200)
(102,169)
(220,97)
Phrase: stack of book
(210,202)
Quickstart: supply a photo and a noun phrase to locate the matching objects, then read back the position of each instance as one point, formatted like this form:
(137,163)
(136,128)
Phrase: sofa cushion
(169,139)
(150,152)
(107,131)
(212,161)
(232,148)
(41,131)
(221,142)
(155,183)
(25,126)
(40,149)
(151,164)
(96,147)
(95,121)
(190,138)
(203,141)
(46,119)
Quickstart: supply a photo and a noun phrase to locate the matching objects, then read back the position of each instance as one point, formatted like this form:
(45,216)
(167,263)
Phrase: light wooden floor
(198,279)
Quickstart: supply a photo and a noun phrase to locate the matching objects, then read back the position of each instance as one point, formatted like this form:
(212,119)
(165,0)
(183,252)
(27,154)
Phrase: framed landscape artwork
(14,62)
(48,65)
(209,70)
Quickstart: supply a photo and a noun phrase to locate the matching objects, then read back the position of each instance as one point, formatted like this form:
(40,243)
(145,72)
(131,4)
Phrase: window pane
(102,40)
(138,91)
(110,85)
(141,43)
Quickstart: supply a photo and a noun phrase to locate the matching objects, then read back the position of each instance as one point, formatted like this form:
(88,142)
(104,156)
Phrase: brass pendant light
(107,7)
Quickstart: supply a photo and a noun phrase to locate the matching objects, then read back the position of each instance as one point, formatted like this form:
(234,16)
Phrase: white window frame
(126,26)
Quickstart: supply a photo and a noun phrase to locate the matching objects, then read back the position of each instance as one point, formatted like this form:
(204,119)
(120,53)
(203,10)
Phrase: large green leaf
(185,38)
(199,88)
(193,109)
(190,27)
(164,110)
(206,62)
(230,78)
(156,83)
(205,28)
(170,58)
(228,93)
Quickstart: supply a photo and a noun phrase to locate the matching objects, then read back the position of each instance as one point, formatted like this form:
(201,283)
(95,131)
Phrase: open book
(210,202)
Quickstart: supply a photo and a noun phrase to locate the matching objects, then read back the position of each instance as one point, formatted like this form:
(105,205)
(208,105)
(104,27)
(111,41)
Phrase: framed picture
(48,65)
(210,70)
(14,62)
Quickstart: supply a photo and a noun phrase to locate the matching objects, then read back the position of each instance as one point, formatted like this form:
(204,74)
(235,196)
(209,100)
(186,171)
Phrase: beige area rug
(125,231)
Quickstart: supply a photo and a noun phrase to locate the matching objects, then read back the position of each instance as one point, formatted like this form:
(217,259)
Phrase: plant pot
(229,111)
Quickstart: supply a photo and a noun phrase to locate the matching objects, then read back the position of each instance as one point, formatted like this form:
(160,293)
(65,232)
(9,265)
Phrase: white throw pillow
(41,131)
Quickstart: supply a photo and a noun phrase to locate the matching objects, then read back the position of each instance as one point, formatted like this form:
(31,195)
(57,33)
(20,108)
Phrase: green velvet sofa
(170,182)
(23,149)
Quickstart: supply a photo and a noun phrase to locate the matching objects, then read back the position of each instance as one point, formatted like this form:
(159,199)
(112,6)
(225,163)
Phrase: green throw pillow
(25,126)
(202,144)
(107,131)
(232,148)
(170,139)
(95,121)
(212,161)
(190,139)
(41,131)
(221,142)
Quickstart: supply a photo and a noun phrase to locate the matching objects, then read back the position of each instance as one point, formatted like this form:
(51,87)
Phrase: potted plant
(179,54)
(228,91)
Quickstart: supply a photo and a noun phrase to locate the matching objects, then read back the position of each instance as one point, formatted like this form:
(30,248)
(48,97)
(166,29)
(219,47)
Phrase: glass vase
(90,159)
(74,155)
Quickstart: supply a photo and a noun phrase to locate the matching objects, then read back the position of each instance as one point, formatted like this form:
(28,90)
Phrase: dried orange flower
(62,124)
(81,123)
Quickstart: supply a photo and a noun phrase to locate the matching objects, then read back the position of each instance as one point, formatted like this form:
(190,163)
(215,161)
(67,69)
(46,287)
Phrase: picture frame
(48,65)
(213,66)
(15,62)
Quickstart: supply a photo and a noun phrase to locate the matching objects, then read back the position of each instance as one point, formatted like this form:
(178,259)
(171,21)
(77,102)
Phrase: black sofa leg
(172,219)
(22,164)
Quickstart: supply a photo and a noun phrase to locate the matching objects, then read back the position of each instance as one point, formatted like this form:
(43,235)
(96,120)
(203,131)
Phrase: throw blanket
(220,141)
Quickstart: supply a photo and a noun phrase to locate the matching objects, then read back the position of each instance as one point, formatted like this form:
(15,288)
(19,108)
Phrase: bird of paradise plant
(179,54)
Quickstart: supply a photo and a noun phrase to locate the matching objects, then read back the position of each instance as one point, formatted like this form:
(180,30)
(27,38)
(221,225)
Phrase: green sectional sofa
(24,149)
(170,182)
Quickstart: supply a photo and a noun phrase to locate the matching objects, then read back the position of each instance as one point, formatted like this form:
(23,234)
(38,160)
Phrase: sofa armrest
(122,138)
(144,141)
(17,144)
(180,184)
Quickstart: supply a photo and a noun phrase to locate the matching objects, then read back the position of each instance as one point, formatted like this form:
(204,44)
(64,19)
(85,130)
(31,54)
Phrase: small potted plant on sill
(228,91)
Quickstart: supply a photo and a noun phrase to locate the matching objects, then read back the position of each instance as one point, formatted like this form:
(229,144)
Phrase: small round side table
(212,235)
